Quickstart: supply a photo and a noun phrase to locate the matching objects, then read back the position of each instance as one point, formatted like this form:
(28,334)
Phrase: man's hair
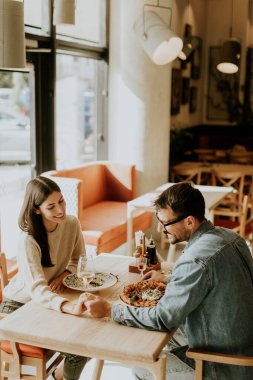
(183,199)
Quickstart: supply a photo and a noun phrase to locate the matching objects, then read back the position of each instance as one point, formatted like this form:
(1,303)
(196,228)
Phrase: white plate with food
(100,281)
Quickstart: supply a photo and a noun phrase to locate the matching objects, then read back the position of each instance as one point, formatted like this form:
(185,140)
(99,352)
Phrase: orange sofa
(103,189)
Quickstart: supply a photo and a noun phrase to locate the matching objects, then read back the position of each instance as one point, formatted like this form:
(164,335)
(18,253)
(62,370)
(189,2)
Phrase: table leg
(97,369)
(158,368)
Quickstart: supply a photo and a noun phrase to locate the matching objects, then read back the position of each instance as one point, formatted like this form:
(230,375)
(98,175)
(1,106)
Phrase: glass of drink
(142,264)
(81,266)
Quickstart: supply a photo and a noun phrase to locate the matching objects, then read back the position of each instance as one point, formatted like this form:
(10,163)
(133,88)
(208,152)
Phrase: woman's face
(53,211)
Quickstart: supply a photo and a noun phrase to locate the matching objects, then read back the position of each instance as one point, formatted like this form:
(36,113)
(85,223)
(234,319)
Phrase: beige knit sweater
(31,282)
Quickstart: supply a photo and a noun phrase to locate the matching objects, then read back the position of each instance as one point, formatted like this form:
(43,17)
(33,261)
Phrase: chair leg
(198,369)
(5,368)
(41,373)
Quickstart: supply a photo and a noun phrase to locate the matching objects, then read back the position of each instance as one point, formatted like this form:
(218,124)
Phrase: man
(210,291)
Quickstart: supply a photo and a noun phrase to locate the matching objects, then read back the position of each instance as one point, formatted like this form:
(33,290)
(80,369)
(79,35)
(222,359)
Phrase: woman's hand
(153,275)
(74,308)
(56,284)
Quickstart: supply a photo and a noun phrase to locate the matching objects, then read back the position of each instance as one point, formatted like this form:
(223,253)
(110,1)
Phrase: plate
(101,281)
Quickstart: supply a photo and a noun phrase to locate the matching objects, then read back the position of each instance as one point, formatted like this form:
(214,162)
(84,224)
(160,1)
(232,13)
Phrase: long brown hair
(37,191)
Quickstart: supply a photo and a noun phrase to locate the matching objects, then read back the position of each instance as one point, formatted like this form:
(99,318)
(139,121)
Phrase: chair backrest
(203,356)
(100,181)
(221,177)
(70,188)
(181,175)
(17,358)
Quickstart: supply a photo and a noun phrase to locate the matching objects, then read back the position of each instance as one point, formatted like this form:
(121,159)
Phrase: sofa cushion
(104,224)
(26,350)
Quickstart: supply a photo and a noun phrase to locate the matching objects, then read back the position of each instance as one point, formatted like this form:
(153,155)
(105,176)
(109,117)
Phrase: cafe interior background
(91,92)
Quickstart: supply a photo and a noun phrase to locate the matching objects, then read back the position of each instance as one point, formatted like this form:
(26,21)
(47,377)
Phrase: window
(37,16)
(15,107)
(89,27)
(78,99)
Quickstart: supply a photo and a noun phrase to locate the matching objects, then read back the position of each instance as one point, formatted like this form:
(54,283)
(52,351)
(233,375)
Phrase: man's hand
(96,306)
(155,276)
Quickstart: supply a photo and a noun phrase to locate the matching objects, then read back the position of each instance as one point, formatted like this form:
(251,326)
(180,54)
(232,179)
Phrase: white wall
(139,91)
(139,100)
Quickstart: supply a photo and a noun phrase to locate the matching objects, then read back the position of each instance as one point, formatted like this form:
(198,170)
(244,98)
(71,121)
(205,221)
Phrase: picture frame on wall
(176,82)
(185,90)
(196,60)
(222,91)
(193,99)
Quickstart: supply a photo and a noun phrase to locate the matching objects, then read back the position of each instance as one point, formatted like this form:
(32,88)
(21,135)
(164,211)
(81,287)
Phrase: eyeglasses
(172,221)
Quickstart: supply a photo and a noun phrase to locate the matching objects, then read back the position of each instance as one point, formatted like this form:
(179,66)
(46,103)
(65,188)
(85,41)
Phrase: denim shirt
(210,292)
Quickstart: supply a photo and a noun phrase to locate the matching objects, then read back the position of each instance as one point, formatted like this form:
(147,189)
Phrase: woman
(49,249)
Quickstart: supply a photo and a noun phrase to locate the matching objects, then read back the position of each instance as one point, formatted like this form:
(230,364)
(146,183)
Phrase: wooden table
(99,338)
(212,194)
(207,168)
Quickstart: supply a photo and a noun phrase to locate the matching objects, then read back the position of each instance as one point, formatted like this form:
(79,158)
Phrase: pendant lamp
(12,34)
(230,53)
(160,43)
(230,57)
(64,12)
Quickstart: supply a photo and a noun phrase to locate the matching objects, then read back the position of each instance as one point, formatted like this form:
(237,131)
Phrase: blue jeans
(176,369)
(73,364)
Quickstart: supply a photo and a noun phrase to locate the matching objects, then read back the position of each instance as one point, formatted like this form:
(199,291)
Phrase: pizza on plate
(143,294)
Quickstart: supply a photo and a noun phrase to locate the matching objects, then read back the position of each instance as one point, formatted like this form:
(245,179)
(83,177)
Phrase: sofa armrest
(120,181)
(71,191)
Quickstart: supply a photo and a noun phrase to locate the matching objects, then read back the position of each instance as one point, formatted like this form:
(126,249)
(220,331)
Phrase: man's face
(175,232)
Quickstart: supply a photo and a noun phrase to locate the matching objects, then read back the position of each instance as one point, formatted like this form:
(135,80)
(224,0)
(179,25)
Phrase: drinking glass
(142,264)
(81,266)
(85,271)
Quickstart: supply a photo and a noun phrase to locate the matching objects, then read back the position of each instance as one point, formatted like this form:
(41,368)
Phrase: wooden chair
(17,354)
(204,356)
(223,177)
(234,219)
(240,221)
(188,175)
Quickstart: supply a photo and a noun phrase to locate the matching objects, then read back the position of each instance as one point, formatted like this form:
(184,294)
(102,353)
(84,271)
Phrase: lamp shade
(64,12)
(160,43)
(190,44)
(12,34)
(230,57)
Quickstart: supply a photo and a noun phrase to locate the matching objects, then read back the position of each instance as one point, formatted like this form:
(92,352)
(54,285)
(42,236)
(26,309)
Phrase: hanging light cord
(232,16)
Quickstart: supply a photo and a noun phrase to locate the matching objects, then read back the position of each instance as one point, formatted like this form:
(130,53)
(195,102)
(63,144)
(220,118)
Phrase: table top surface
(246,169)
(101,338)
(212,194)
